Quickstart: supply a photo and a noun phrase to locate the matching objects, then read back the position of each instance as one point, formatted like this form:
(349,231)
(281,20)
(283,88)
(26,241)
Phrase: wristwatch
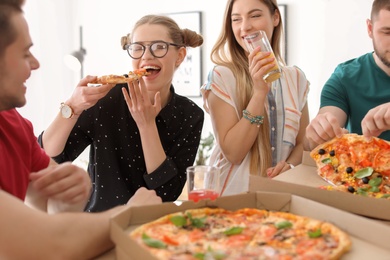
(66,110)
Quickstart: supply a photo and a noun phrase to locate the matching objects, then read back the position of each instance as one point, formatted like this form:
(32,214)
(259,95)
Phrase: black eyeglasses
(158,49)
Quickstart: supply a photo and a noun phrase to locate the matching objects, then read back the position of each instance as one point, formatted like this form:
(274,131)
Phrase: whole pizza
(249,233)
(355,164)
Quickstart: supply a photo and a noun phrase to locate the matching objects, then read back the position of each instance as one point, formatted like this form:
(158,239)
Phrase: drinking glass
(203,182)
(260,38)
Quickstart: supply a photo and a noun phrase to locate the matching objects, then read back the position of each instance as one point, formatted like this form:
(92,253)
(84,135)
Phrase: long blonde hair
(227,52)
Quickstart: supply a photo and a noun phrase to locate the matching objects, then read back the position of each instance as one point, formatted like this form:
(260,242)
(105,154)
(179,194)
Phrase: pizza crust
(344,241)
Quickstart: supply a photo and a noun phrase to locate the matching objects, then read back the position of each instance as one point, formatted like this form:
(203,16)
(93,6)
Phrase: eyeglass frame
(150,48)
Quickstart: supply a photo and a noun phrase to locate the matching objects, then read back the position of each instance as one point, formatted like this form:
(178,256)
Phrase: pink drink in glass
(203,182)
(196,195)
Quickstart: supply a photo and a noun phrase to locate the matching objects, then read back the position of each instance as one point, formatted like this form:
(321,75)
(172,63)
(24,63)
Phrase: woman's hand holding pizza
(143,111)
(84,97)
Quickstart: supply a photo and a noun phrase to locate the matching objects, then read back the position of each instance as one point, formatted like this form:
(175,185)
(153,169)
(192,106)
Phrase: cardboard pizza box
(304,181)
(369,237)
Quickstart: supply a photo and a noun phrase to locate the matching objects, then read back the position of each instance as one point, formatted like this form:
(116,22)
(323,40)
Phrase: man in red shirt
(27,173)
(22,160)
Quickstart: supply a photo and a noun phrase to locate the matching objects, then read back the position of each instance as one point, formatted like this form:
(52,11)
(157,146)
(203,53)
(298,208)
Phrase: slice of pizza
(356,164)
(299,237)
(118,79)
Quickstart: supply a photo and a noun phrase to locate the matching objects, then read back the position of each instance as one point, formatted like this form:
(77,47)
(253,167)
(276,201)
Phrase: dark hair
(183,37)
(8,33)
(378,5)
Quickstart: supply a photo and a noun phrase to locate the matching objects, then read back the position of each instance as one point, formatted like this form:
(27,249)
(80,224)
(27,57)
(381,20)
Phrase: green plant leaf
(233,231)
(365,172)
(283,224)
(155,243)
(327,161)
(197,222)
(375,182)
(361,191)
(314,234)
(374,189)
(178,221)
(205,146)
(199,256)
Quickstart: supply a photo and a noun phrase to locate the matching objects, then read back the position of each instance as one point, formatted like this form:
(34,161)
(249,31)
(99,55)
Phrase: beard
(382,55)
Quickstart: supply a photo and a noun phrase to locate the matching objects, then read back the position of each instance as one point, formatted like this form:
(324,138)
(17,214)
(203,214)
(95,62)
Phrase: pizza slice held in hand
(118,79)
(355,164)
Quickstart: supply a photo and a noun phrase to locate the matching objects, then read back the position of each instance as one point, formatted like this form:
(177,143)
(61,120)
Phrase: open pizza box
(304,181)
(369,237)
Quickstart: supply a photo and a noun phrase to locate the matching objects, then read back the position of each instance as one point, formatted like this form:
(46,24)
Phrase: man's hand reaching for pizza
(325,126)
(376,121)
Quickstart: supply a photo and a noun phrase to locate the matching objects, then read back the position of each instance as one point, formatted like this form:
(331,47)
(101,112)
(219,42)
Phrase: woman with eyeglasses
(140,134)
(259,126)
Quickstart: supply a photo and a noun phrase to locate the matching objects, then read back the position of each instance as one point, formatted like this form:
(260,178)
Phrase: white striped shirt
(286,100)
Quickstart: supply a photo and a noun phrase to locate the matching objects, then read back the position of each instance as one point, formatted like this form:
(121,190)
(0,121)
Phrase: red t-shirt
(20,153)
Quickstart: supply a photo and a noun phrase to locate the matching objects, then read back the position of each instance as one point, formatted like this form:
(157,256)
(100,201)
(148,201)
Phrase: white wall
(321,34)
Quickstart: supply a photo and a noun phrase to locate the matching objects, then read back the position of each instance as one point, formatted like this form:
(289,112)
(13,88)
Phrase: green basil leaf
(374,189)
(314,234)
(233,231)
(361,191)
(210,255)
(375,182)
(283,224)
(327,161)
(365,172)
(197,222)
(199,256)
(219,255)
(385,196)
(155,243)
(178,221)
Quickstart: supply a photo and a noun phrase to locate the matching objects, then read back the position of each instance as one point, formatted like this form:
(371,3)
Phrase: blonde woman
(259,126)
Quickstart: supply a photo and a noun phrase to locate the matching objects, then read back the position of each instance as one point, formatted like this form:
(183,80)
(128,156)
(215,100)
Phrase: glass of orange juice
(260,38)
(203,182)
